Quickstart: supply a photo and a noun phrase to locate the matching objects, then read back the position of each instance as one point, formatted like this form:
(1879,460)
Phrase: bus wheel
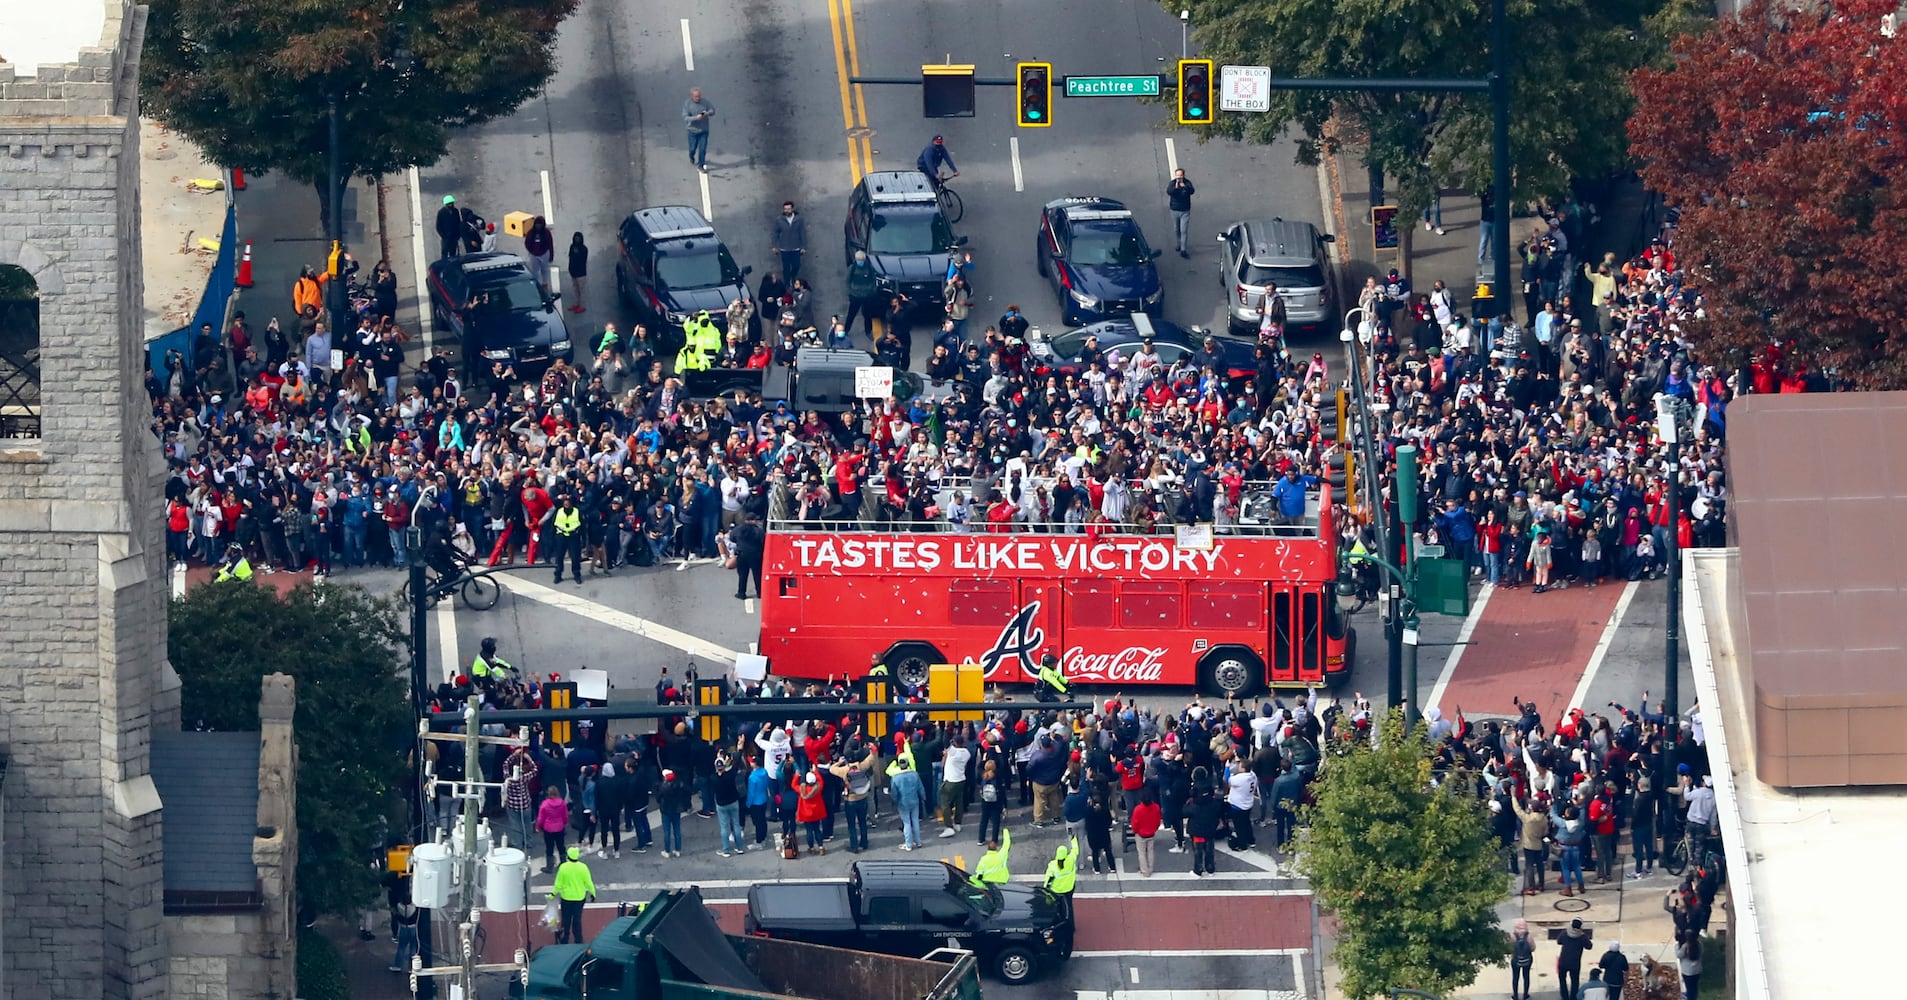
(908,662)
(1232,671)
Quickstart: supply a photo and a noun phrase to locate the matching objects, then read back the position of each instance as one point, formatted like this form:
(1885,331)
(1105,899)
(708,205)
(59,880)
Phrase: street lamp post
(1364,435)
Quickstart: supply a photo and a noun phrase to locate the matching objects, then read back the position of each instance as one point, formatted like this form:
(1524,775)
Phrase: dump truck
(672,949)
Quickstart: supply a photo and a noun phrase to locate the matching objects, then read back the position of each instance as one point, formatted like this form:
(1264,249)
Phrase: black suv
(895,217)
(669,265)
(492,303)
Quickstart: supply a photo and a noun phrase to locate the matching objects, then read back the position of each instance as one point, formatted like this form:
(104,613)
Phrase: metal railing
(1257,513)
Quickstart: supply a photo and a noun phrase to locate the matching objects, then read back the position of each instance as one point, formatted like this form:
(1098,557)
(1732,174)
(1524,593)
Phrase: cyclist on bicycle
(932,157)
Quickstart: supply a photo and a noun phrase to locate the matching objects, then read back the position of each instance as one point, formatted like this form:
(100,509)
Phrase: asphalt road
(609,134)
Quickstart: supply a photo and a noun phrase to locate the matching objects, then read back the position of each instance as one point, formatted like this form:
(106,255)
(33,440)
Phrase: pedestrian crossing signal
(1036,95)
(1195,91)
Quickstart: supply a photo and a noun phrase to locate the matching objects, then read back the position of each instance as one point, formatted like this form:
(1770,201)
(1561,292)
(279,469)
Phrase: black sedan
(1097,260)
(492,303)
(1120,339)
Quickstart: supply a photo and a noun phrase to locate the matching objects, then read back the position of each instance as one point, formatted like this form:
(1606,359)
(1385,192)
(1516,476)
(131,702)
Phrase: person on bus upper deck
(1290,492)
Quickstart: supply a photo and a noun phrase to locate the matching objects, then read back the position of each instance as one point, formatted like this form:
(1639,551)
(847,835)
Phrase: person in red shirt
(178,530)
(1602,822)
(811,809)
(1146,818)
(536,504)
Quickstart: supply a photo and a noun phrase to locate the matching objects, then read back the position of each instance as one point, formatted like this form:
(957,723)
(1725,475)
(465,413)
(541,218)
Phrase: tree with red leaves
(1778,134)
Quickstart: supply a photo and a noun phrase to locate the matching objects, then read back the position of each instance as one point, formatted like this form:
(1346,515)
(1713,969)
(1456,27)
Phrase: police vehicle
(670,264)
(493,305)
(895,216)
(1098,261)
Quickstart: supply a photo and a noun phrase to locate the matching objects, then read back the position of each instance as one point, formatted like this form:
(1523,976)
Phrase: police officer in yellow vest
(568,522)
(487,664)
(1052,679)
(1061,873)
(992,869)
(700,344)
(573,888)
(236,567)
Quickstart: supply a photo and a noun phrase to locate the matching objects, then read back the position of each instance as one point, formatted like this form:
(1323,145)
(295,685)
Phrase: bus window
(980,602)
(866,600)
(1149,604)
(1225,604)
(1092,602)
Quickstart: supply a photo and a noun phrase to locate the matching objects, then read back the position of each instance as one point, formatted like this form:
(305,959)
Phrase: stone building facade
(234,945)
(83,676)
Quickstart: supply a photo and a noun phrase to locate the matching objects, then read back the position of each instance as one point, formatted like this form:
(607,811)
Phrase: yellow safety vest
(567,521)
(241,571)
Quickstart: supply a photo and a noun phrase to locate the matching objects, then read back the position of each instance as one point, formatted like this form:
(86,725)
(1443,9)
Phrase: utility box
(1443,587)
(517,223)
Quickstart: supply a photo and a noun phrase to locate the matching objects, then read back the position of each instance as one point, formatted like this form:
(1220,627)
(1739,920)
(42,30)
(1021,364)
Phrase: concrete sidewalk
(281,218)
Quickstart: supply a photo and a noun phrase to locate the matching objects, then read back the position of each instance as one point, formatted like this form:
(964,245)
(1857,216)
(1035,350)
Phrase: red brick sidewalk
(1528,645)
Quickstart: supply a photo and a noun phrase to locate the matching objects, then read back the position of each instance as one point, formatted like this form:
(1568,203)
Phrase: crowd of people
(1540,454)
(1192,778)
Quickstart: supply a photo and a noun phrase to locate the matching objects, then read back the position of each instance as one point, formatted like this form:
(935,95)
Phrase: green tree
(251,81)
(1408,868)
(1569,82)
(345,649)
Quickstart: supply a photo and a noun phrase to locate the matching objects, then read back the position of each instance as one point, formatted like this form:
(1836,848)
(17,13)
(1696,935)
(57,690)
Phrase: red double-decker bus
(1255,609)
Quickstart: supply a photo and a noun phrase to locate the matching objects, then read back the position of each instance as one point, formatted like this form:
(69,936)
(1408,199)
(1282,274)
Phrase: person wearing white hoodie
(775,747)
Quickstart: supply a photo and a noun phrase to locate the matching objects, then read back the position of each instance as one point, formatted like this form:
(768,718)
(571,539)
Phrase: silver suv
(1290,256)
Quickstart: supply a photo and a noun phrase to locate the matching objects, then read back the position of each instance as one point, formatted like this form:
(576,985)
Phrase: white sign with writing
(1244,88)
(874,382)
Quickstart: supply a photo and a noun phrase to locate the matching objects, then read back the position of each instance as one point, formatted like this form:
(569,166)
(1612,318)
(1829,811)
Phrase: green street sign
(1112,86)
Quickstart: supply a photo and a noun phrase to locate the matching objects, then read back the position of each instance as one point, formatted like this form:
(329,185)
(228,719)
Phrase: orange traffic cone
(238,178)
(245,267)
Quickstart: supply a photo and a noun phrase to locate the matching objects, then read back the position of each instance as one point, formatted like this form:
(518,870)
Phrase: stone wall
(252,955)
(83,675)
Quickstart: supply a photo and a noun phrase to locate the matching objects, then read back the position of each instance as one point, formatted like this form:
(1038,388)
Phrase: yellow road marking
(860,97)
(847,64)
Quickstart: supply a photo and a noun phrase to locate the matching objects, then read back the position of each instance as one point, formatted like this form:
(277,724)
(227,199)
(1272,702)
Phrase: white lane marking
(1602,645)
(1171,157)
(688,47)
(549,204)
(1456,651)
(708,207)
(418,274)
(447,655)
(1019,179)
(606,615)
(1135,973)
(1297,974)
(748,607)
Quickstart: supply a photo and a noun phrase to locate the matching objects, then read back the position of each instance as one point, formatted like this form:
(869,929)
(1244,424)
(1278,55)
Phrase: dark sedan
(1066,354)
(1097,260)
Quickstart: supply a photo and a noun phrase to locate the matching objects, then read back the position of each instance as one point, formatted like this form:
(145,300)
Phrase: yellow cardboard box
(517,223)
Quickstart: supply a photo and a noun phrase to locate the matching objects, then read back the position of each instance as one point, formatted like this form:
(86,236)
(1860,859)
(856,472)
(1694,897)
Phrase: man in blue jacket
(1291,493)
(1459,530)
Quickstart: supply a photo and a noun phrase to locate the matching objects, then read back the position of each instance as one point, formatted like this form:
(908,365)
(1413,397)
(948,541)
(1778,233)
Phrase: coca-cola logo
(1133,663)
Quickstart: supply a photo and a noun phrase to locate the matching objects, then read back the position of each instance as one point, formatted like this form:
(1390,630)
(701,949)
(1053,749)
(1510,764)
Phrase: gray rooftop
(209,782)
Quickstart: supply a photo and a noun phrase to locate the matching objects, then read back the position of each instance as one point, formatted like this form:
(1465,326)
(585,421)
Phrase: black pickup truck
(912,907)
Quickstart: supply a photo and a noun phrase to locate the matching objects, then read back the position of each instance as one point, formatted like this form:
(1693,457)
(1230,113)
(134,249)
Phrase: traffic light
(1195,91)
(946,91)
(1036,95)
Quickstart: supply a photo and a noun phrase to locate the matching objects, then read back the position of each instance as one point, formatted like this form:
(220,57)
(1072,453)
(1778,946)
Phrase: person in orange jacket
(309,290)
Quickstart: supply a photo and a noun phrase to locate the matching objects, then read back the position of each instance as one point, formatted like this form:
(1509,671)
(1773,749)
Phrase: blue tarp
(218,291)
